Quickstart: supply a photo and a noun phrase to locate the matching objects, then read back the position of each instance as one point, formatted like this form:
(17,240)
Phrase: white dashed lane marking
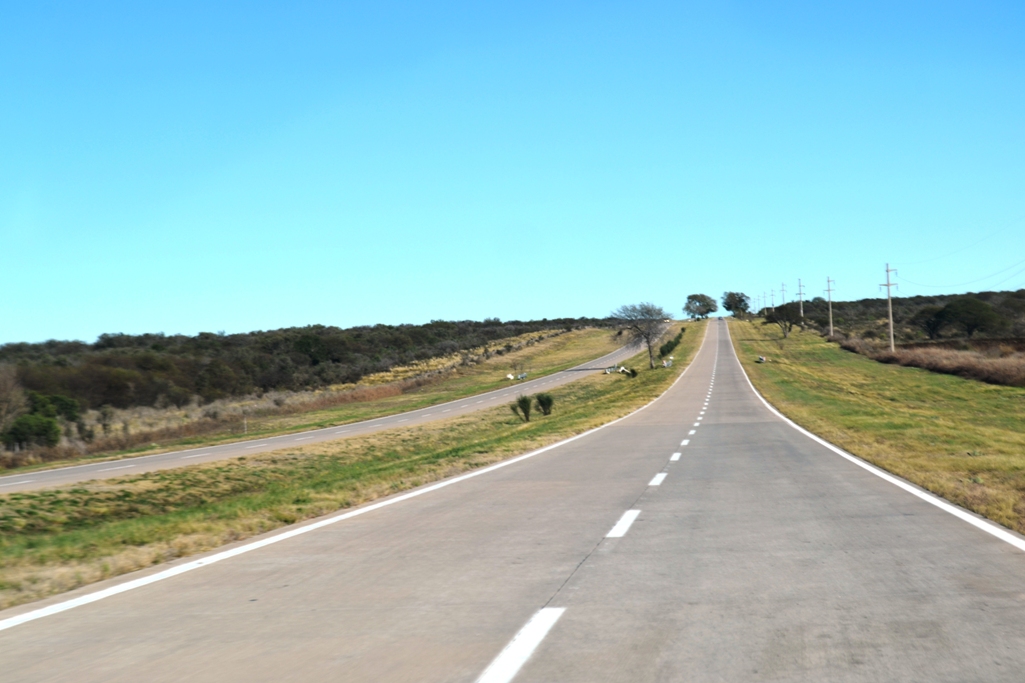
(623,525)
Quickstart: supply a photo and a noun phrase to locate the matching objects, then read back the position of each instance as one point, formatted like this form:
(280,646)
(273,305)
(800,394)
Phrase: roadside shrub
(670,345)
(522,407)
(545,402)
(33,430)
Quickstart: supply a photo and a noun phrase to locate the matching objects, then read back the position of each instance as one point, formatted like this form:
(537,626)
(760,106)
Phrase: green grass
(544,358)
(959,438)
(55,540)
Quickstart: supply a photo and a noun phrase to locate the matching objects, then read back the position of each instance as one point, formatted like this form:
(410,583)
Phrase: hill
(123,370)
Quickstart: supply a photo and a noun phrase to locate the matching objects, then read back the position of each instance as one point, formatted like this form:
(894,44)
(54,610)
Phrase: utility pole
(800,296)
(772,299)
(889,302)
(829,294)
(783,293)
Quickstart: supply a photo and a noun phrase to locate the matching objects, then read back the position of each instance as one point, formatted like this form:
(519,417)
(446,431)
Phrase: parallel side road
(700,539)
(162,461)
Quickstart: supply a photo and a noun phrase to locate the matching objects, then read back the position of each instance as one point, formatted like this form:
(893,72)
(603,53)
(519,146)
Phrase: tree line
(124,370)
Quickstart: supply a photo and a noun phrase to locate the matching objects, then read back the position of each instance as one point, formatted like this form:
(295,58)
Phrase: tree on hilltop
(700,306)
(737,303)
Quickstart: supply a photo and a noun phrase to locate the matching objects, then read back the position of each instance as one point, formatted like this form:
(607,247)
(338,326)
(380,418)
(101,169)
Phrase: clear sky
(185,167)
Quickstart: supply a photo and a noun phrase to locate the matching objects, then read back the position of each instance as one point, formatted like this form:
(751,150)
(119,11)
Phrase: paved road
(162,461)
(759,556)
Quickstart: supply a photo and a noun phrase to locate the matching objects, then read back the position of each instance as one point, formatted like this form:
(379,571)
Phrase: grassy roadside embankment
(543,358)
(959,438)
(55,540)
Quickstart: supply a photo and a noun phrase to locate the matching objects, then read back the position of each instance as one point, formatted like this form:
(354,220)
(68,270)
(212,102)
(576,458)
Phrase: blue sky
(208,167)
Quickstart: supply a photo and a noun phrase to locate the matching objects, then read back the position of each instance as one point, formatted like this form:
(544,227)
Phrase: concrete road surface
(148,463)
(760,555)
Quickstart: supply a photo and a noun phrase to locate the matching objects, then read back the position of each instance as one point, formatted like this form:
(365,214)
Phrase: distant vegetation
(124,370)
(46,385)
(977,336)
(918,318)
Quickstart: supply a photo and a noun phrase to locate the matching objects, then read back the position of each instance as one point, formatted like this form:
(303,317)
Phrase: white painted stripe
(255,445)
(447,410)
(676,456)
(623,525)
(343,431)
(428,414)
(405,419)
(194,456)
(696,424)
(658,479)
(692,432)
(964,515)
(304,438)
(88,598)
(108,469)
(512,658)
(685,442)
(15,483)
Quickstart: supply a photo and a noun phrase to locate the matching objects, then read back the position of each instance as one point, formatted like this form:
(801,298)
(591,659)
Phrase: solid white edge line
(675,457)
(65,605)
(623,525)
(658,479)
(512,658)
(932,499)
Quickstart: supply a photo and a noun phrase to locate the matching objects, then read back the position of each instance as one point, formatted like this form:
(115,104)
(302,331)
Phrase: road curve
(702,539)
(110,469)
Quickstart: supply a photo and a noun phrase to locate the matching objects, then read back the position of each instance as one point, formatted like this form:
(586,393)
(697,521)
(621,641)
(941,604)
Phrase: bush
(33,430)
(522,407)
(545,403)
(670,345)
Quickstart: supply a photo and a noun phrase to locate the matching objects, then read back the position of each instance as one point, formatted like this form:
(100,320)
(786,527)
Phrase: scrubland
(144,430)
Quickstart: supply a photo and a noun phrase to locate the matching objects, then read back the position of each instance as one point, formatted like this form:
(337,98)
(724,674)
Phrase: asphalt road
(148,463)
(760,555)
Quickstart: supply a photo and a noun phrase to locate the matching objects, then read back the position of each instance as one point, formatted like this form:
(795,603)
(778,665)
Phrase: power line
(972,245)
(962,284)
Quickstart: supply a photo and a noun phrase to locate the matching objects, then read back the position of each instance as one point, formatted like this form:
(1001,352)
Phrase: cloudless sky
(202,166)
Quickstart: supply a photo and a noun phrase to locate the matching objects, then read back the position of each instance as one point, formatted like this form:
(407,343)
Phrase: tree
(737,303)
(700,306)
(928,318)
(12,398)
(785,317)
(645,322)
(972,316)
(33,430)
